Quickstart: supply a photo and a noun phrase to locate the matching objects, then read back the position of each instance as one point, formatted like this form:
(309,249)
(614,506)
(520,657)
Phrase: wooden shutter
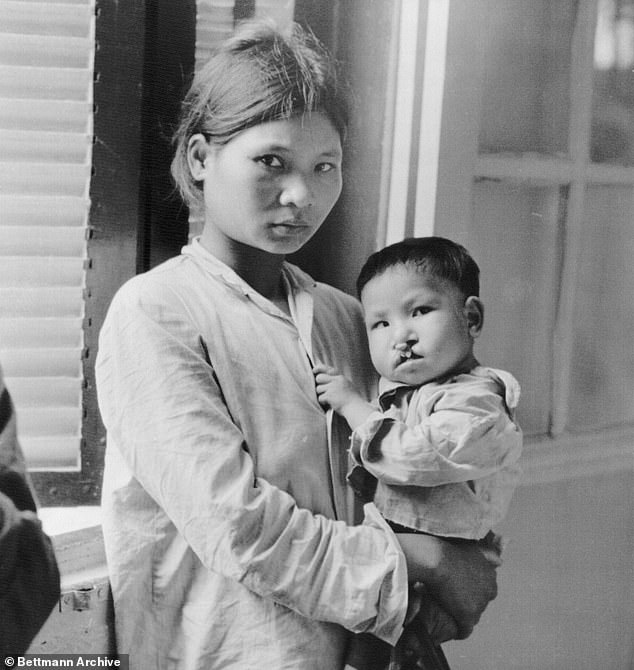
(46,78)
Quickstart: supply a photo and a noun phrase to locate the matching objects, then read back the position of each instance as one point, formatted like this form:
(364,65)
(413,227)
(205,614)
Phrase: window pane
(613,101)
(602,372)
(513,237)
(525,101)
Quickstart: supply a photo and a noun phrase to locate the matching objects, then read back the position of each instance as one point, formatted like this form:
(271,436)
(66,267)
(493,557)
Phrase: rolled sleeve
(389,625)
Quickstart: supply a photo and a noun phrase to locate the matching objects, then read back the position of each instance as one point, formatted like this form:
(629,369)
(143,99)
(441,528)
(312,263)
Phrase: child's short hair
(438,257)
(259,74)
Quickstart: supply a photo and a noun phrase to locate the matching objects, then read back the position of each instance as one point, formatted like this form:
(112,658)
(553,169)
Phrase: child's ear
(474,311)
(197,152)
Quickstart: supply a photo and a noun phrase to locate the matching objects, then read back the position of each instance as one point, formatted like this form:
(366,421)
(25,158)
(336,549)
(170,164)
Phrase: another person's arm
(29,578)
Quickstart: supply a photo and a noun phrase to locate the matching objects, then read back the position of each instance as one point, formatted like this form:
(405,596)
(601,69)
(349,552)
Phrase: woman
(225,509)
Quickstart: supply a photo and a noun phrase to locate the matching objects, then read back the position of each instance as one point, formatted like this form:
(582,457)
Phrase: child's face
(271,186)
(419,329)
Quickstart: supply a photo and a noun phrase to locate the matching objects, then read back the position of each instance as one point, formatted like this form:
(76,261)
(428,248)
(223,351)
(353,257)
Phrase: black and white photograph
(316,341)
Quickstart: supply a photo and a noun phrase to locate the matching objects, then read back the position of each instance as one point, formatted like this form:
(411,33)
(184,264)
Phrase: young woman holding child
(225,519)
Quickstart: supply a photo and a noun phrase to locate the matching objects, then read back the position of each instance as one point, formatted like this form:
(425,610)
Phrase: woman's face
(271,186)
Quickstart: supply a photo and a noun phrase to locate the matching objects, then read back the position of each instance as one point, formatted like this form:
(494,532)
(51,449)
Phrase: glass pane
(602,373)
(612,139)
(514,238)
(525,102)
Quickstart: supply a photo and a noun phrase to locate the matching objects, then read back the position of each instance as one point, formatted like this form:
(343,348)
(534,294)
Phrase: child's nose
(404,337)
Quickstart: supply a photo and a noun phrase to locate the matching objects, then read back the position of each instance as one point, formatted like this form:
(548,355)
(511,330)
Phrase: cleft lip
(405,356)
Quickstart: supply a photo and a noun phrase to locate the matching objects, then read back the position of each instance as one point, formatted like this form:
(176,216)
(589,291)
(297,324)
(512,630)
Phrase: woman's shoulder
(160,285)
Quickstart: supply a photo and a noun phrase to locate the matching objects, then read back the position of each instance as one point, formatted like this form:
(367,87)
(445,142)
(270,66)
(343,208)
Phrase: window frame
(559,453)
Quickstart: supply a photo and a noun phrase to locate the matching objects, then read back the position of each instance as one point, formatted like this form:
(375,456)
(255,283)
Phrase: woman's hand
(461,578)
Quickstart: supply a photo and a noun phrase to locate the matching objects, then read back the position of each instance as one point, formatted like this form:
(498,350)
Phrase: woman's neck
(260,269)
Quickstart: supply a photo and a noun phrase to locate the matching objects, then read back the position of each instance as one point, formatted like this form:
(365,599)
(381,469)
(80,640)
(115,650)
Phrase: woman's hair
(436,257)
(259,74)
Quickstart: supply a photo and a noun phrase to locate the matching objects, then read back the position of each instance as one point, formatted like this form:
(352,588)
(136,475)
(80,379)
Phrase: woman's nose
(297,191)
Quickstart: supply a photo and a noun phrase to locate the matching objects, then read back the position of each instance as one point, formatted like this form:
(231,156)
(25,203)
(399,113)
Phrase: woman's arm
(459,576)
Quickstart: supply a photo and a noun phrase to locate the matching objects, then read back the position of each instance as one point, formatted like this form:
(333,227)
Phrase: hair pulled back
(259,74)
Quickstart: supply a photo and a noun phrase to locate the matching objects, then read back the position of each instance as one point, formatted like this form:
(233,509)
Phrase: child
(444,444)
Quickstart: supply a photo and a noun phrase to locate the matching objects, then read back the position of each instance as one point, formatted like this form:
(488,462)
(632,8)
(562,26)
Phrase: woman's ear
(474,311)
(197,153)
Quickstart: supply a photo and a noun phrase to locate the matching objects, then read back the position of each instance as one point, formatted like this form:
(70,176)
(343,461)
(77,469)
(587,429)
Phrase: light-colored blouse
(226,516)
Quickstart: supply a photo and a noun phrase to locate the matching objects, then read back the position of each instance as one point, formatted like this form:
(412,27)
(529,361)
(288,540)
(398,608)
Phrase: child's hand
(336,391)
(333,389)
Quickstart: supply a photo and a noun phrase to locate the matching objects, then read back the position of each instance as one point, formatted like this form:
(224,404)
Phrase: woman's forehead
(309,131)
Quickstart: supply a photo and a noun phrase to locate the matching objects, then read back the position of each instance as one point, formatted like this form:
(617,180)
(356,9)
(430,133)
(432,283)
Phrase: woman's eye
(325,167)
(271,161)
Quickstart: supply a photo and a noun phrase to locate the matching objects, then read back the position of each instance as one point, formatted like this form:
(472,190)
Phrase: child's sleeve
(468,434)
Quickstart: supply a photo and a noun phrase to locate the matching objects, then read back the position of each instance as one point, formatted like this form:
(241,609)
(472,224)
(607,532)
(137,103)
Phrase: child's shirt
(445,454)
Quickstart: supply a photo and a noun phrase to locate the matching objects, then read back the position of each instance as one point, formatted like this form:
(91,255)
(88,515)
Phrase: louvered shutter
(46,77)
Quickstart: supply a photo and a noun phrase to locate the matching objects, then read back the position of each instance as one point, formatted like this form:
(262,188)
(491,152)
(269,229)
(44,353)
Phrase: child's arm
(465,437)
(336,391)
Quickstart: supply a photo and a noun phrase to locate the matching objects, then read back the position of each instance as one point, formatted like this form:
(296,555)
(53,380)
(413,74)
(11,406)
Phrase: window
(540,200)
(533,173)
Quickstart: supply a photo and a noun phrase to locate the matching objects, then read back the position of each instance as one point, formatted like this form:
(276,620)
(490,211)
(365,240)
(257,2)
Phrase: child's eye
(420,311)
(379,324)
(270,161)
